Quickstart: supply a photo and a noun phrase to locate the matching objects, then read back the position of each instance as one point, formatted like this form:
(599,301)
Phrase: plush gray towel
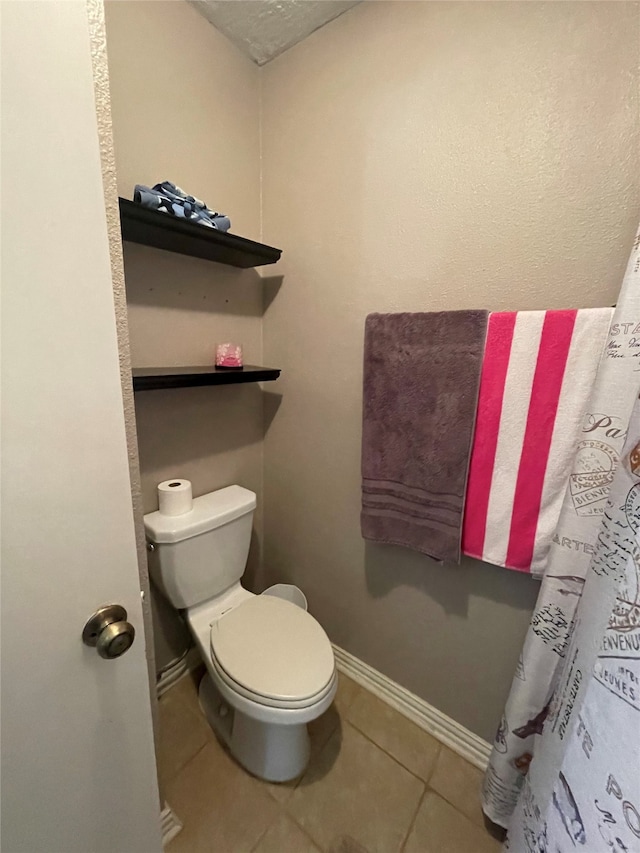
(421,380)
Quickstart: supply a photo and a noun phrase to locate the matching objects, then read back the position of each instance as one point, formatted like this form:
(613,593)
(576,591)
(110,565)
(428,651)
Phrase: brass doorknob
(109,632)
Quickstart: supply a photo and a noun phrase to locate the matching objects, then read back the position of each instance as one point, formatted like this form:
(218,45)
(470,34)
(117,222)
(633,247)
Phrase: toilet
(270,665)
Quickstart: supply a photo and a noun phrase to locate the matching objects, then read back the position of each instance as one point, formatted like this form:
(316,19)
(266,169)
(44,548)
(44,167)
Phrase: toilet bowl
(270,665)
(270,671)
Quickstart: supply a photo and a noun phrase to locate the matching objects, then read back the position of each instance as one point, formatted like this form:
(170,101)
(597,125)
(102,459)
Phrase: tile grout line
(304,831)
(392,757)
(457,809)
(460,814)
(267,828)
(177,772)
(195,713)
(446,798)
(413,819)
(432,772)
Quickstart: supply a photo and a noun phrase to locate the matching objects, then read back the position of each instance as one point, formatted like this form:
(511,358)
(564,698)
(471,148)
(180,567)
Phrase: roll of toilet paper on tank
(175,497)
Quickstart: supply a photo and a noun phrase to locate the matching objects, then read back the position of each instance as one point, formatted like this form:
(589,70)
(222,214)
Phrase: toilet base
(271,751)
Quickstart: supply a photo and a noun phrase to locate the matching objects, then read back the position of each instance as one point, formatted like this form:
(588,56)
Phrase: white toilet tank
(200,554)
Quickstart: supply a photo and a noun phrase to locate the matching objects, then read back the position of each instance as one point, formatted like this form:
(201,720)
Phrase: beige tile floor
(376,783)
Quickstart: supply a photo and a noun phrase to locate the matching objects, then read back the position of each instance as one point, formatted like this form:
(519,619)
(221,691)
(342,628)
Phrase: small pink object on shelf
(229,357)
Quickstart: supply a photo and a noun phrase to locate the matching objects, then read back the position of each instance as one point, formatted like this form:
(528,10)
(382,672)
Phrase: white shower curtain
(597,456)
(583,788)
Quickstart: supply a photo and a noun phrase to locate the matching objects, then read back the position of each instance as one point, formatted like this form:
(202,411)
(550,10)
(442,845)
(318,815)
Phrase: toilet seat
(269,702)
(273,653)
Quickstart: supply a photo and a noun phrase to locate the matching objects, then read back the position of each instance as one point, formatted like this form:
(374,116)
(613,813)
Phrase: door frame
(104,124)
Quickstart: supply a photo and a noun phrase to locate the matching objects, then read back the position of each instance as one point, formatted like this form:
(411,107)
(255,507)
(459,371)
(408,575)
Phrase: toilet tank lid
(209,511)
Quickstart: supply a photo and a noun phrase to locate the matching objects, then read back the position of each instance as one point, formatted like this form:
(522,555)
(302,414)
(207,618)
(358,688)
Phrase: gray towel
(421,380)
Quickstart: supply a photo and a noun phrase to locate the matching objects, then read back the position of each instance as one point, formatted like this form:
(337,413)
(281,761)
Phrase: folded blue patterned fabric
(164,204)
(169,198)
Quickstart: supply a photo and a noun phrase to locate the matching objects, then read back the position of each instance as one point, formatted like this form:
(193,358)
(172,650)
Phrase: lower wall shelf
(154,378)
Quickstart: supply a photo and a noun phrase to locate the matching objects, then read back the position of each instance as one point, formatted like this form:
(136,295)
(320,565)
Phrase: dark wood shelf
(162,231)
(154,378)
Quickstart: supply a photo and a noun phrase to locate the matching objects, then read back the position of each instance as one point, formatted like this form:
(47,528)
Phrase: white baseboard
(465,743)
(176,670)
(169,824)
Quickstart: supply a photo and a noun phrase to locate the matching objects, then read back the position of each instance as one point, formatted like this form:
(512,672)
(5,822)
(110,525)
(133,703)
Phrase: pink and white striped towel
(538,369)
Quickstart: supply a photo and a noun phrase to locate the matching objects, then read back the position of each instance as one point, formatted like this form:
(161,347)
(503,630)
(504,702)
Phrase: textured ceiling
(265,28)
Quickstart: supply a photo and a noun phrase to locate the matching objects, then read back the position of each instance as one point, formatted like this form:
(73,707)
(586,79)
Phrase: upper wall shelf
(141,225)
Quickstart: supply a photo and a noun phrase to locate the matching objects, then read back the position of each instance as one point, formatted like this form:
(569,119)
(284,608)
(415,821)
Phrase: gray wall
(423,156)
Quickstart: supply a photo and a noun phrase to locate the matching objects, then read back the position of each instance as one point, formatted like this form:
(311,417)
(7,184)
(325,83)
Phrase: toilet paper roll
(175,497)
